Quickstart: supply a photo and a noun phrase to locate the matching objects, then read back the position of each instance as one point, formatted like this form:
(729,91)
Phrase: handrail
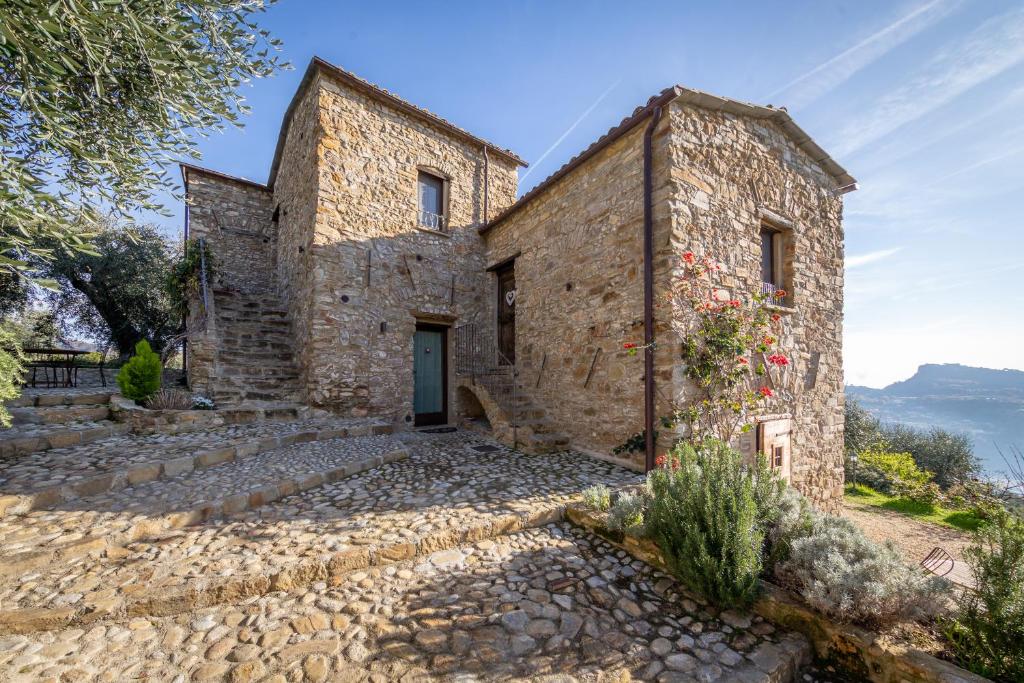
(202,276)
(477,356)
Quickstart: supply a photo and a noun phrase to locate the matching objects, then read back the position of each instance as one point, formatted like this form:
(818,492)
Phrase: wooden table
(58,366)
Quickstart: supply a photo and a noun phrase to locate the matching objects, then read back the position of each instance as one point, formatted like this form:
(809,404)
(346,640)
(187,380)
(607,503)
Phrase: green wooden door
(429,367)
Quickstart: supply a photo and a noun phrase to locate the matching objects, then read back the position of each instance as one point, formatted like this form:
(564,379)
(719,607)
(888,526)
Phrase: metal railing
(477,356)
(769,291)
(204,287)
(433,221)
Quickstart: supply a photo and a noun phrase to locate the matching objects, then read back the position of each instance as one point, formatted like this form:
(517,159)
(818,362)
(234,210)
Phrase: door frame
(507,266)
(426,419)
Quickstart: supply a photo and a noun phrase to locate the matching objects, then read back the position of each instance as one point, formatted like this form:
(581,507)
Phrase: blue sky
(922,101)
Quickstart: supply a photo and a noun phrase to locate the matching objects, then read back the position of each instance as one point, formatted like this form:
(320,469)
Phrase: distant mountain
(987,404)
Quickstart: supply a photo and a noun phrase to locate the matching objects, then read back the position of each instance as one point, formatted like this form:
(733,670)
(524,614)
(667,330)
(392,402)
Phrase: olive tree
(99,97)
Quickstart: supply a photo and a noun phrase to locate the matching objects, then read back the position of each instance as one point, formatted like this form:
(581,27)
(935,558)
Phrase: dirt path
(913,537)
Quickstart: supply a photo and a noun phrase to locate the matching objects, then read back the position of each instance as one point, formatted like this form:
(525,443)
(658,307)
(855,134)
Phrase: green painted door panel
(428,394)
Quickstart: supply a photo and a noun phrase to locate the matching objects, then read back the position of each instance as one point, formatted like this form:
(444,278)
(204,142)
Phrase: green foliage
(139,378)
(709,514)
(839,572)
(100,98)
(964,518)
(987,632)
(897,473)
(184,278)
(637,443)
(862,431)
(117,294)
(947,455)
(12,366)
(728,351)
(597,497)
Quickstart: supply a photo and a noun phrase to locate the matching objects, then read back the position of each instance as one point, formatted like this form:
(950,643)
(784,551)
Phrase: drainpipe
(486,169)
(649,291)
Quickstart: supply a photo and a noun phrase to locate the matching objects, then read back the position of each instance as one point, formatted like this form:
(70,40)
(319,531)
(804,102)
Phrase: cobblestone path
(543,604)
(443,491)
(451,563)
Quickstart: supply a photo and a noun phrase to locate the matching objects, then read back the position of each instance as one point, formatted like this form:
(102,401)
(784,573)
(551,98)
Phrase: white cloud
(870,257)
(568,130)
(989,50)
(829,74)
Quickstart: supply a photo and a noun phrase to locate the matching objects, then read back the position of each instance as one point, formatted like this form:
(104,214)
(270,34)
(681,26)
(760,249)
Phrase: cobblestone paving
(114,512)
(542,604)
(443,487)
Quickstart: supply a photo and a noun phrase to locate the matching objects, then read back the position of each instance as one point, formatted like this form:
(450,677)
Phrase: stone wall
(234,217)
(295,205)
(372,273)
(579,281)
(729,175)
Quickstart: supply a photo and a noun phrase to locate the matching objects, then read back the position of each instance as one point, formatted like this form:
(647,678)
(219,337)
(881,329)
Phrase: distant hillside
(987,404)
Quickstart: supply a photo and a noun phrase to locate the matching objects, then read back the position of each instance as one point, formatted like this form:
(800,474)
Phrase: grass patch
(964,520)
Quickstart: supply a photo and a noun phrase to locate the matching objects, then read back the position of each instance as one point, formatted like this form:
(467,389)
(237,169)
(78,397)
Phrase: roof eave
(318,65)
(844,181)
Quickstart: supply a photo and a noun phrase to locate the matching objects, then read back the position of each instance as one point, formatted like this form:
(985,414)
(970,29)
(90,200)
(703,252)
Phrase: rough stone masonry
(337,236)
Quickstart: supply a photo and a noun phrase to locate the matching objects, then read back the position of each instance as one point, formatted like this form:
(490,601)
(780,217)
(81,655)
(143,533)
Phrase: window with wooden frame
(433,200)
(773,264)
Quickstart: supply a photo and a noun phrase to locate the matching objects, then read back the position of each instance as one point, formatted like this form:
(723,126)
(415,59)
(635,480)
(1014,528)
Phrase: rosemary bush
(709,514)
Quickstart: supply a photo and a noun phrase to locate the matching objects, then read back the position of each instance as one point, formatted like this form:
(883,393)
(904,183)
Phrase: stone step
(150,509)
(235,369)
(30,438)
(59,414)
(444,495)
(547,443)
(238,356)
(58,476)
(60,397)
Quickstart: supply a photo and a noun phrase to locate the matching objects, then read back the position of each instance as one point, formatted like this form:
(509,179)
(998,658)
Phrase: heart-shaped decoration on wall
(510,297)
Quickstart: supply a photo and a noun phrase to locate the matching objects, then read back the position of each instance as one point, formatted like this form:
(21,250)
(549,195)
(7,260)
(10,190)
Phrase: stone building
(386,268)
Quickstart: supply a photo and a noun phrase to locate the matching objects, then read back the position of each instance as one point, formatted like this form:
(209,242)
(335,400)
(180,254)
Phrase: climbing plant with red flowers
(730,349)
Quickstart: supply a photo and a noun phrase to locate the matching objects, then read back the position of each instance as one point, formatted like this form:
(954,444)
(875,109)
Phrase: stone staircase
(534,431)
(255,361)
(48,419)
(74,488)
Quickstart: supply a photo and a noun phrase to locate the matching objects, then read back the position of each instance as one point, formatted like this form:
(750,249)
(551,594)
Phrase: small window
(772,265)
(432,201)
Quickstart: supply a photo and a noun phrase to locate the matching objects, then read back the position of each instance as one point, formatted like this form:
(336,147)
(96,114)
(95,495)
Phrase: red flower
(735,303)
(781,294)
(660,460)
(629,345)
(766,392)
(742,361)
(778,359)
(769,339)
(776,317)
(689,257)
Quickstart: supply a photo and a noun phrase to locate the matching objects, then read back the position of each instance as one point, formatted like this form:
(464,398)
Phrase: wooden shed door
(507,312)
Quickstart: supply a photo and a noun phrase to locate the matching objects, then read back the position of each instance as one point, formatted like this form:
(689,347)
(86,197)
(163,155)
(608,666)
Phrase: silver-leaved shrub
(627,513)
(597,497)
(841,573)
